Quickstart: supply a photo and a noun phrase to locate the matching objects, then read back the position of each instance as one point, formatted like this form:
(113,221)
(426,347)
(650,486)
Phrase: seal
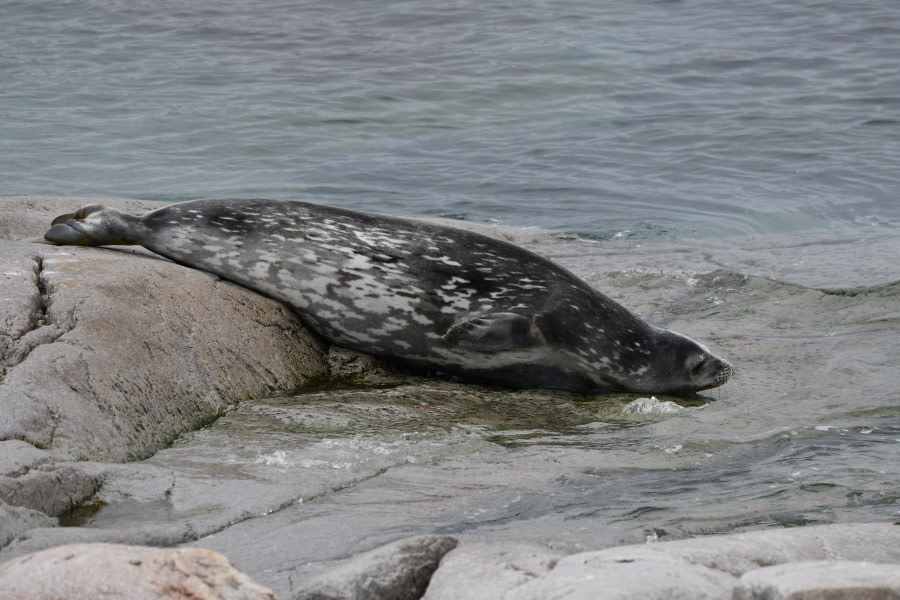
(429,296)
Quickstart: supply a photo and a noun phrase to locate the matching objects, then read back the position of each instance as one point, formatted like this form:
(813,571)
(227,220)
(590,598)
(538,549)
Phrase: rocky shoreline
(109,355)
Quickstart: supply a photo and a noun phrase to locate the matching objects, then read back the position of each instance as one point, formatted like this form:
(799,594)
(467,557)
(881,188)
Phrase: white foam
(275,459)
(651,406)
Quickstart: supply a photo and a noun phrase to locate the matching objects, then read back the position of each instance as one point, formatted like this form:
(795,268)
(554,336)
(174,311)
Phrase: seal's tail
(93,225)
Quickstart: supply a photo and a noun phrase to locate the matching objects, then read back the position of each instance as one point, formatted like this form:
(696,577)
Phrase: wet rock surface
(158,399)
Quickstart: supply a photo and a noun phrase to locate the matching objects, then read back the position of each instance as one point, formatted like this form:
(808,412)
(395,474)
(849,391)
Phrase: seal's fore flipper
(93,225)
(493,332)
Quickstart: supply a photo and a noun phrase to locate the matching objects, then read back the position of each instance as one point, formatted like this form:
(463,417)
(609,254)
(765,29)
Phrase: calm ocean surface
(731,170)
(664,118)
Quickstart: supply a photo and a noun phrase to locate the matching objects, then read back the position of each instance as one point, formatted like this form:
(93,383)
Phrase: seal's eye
(699,362)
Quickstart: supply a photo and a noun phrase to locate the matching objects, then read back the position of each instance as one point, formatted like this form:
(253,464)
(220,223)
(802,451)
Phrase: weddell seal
(427,295)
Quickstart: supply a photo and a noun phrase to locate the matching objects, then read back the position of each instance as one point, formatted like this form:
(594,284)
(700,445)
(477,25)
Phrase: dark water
(656,118)
(731,169)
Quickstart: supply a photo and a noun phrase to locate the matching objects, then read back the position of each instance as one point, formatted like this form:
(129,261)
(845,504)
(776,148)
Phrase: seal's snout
(724,373)
(711,372)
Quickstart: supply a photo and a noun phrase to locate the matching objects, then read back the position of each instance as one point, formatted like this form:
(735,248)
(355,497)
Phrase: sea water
(651,117)
(725,169)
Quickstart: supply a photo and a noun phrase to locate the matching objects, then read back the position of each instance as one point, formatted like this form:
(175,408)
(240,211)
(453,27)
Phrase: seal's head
(682,366)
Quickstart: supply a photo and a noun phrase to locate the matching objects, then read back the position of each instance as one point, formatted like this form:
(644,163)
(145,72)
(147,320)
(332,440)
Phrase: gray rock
(396,571)
(32,478)
(705,567)
(821,580)
(38,538)
(644,575)
(89,571)
(739,553)
(33,486)
(486,570)
(110,356)
(143,487)
(15,520)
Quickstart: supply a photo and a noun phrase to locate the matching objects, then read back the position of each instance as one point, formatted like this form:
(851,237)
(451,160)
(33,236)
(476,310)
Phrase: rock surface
(760,565)
(741,553)
(34,478)
(109,356)
(115,572)
(821,580)
(15,521)
(399,571)
(646,575)
(491,569)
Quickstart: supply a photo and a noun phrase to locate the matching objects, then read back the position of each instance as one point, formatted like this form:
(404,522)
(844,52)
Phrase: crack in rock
(42,327)
(43,298)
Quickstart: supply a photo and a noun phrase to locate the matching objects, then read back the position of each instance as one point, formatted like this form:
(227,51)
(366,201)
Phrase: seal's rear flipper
(93,225)
(493,332)
(78,214)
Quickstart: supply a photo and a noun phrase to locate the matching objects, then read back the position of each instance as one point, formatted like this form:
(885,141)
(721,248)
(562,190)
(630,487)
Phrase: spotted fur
(423,294)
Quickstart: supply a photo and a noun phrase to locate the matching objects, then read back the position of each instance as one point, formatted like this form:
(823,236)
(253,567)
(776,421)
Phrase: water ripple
(702,118)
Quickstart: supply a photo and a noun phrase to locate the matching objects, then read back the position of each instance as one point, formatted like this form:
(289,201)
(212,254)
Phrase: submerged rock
(115,572)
